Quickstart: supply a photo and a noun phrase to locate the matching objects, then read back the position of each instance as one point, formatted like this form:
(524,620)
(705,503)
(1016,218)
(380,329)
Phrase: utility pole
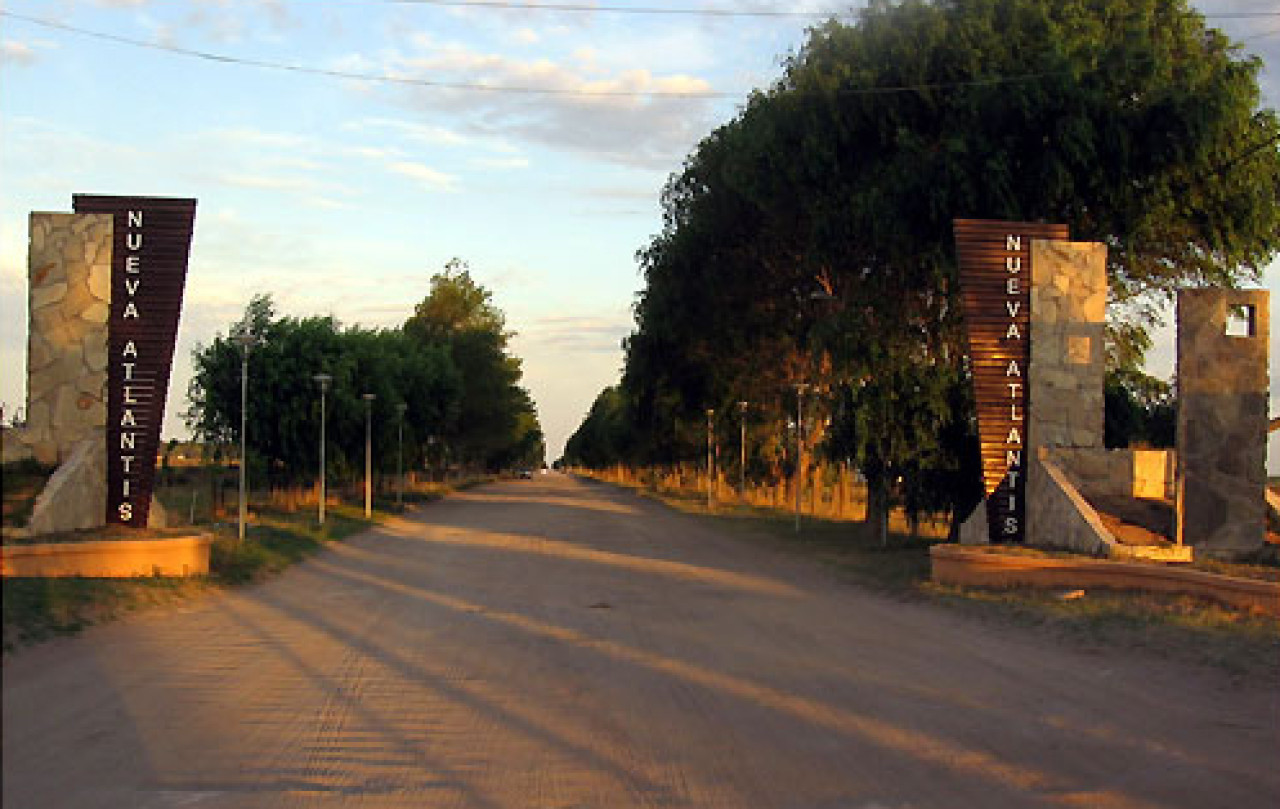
(742,450)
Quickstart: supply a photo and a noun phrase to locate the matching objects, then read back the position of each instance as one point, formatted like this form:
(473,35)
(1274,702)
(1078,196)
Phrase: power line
(488,88)
(352,75)
(506,5)
(515,5)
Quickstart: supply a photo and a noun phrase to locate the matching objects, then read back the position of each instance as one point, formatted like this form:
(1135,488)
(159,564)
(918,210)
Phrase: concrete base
(971,567)
(1153,553)
(177,556)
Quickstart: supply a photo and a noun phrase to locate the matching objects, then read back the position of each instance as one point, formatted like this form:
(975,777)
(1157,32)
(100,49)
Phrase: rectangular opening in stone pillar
(1222,419)
(1242,321)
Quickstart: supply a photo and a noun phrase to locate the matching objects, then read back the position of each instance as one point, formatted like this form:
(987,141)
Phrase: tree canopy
(809,238)
(448,365)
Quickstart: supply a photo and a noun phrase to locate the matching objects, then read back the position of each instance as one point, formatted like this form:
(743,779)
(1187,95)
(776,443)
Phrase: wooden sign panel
(151,245)
(995,290)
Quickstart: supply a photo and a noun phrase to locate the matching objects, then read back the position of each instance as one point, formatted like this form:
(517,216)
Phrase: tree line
(448,367)
(806,261)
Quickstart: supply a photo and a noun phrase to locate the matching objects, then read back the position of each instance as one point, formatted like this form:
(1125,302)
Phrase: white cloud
(427,176)
(578,333)
(277,182)
(411,130)
(526,36)
(501,163)
(17,53)
(624,116)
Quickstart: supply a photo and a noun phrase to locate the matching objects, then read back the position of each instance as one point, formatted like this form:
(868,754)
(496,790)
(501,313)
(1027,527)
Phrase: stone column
(1067,372)
(69,264)
(1222,421)
(1068,331)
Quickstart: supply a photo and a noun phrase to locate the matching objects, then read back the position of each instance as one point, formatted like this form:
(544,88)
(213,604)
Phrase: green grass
(22,481)
(39,609)
(1180,628)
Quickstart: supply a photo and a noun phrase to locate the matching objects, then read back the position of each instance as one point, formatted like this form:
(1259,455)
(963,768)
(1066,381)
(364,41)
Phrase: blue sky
(344,197)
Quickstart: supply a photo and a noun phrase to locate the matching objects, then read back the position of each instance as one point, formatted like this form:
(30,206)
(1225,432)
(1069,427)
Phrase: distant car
(525,474)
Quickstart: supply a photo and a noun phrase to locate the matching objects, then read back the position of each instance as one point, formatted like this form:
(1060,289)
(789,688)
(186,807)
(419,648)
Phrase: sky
(342,196)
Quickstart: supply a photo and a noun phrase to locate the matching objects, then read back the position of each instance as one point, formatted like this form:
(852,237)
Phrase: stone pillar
(1067,371)
(1068,329)
(69,263)
(1222,421)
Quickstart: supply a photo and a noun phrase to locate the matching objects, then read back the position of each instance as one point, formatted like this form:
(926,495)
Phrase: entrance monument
(1035,314)
(106,285)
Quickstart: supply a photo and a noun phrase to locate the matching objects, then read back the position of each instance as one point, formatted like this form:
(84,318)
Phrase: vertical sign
(995,288)
(150,246)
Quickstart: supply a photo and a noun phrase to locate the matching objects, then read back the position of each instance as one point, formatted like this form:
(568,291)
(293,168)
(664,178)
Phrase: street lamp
(742,450)
(246,340)
(368,453)
(400,408)
(801,389)
(711,466)
(323,381)
(816,296)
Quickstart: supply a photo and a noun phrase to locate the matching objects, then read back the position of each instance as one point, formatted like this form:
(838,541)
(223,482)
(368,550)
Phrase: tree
(497,421)
(284,407)
(1128,120)
(602,438)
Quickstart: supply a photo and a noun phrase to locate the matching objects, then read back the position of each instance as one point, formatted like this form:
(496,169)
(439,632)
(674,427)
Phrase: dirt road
(552,644)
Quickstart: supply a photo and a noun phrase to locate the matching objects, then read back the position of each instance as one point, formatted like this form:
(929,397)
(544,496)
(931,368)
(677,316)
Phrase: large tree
(284,407)
(497,423)
(1128,120)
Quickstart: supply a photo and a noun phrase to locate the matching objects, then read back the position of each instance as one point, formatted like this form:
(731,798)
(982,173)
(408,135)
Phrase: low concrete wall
(1148,473)
(176,556)
(968,567)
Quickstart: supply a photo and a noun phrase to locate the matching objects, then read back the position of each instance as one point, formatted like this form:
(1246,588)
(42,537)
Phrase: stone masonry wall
(69,262)
(1222,422)
(1066,377)
(1068,326)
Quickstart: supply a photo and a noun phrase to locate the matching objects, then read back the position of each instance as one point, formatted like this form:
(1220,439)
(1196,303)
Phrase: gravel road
(552,644)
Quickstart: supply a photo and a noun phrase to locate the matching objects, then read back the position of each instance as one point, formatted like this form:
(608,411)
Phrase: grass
(39,609)
(23,480)
(1181,628)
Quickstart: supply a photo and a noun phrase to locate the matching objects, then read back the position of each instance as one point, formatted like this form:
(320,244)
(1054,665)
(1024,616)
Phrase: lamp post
(801,389)
(368,453)
(822,295)
(246,340)
(323,381)
(711,465)
(400,408)
(742,450)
